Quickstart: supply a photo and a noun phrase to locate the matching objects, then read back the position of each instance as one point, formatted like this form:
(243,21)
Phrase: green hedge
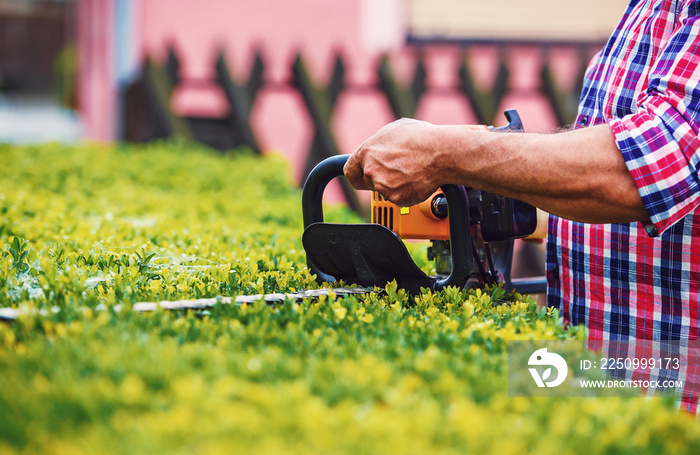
(86,228)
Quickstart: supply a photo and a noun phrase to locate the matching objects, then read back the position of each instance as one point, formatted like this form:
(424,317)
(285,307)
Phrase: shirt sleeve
(659,141)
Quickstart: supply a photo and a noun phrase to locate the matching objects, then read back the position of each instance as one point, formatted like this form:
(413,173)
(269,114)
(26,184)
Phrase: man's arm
(579,175)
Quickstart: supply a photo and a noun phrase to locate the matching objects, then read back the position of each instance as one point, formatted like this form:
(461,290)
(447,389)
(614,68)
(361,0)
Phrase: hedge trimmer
(471,234)
(471,231)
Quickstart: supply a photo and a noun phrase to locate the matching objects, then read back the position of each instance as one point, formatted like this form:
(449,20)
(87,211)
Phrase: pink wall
(96,85)
(280,29)
(360,29)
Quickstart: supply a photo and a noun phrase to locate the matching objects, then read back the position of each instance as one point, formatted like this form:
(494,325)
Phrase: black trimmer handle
(457,205)
(515,125)
(319,177)
(312,199)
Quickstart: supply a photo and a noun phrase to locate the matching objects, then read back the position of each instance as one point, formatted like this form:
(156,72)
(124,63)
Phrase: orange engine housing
(415,222)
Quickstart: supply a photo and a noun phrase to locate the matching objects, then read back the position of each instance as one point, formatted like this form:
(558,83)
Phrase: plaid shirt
(627,281)
(631,281)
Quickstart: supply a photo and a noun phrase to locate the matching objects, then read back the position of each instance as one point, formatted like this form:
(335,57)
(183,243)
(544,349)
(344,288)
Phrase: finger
(353,172)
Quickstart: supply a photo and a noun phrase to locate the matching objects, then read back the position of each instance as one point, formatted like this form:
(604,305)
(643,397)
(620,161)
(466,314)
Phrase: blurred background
(306,78)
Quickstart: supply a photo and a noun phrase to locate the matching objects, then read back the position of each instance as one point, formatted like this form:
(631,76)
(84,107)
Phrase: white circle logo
(543,358)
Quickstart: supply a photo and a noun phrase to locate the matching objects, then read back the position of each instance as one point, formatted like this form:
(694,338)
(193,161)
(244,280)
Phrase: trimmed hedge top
(86,228)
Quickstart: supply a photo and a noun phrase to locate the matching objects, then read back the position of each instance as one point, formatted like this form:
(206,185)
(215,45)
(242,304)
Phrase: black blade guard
(365,254)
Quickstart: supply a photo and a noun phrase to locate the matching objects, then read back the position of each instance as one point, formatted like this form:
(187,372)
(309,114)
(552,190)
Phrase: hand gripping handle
(457,205)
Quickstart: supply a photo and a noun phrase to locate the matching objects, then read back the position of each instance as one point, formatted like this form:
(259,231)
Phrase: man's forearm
(579,175)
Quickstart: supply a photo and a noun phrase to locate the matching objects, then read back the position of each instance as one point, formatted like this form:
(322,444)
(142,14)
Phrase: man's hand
(401,162)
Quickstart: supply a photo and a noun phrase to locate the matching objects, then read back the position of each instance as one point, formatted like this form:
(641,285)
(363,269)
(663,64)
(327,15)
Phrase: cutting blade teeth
(11,314)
